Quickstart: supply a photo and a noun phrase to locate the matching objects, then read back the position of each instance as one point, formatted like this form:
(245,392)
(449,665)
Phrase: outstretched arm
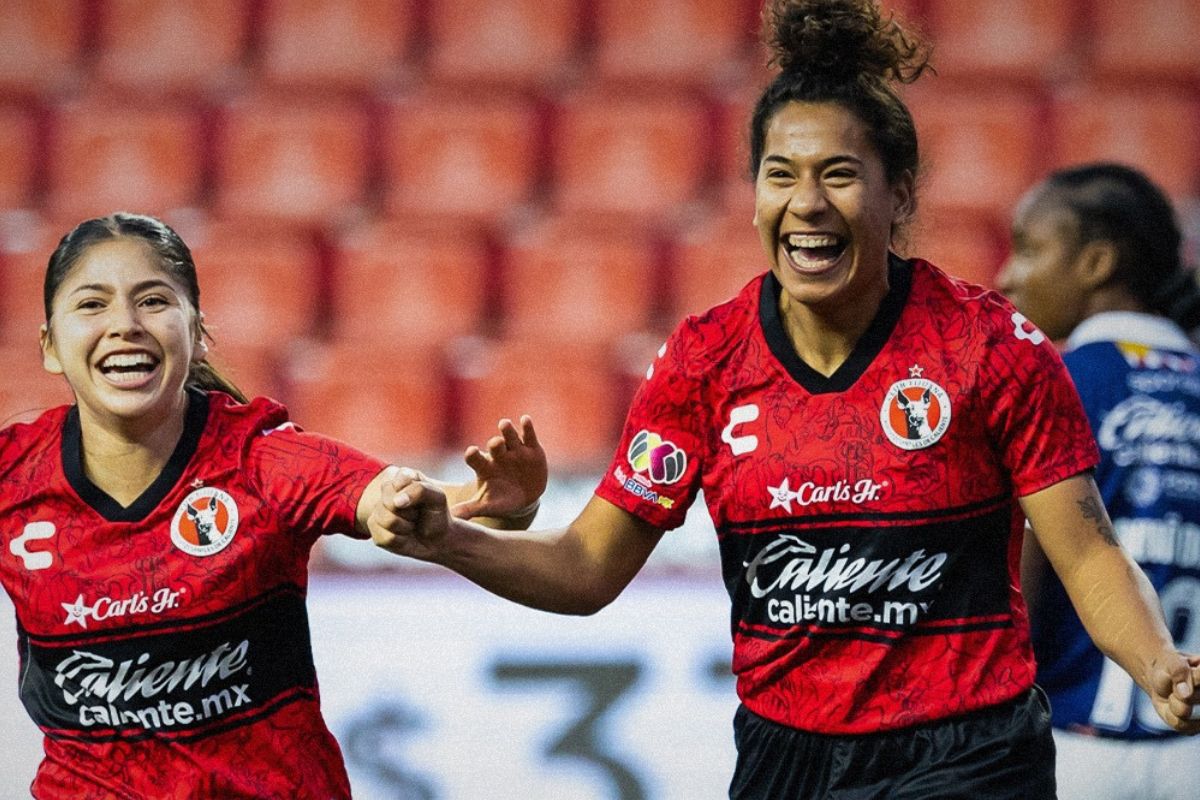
(574,570)
(1112,596)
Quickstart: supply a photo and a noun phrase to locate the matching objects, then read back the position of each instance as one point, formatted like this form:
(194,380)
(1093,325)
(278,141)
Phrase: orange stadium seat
(715,256)
(567,386)
(354,44)
(26,389)
(19,155)
(398,282)
(260,284)
(1021,39)
(168,45)
(441,158)
(1155,128)
(26,242)
(40,44)
(983,146)
(574,278)
(286,159)
(386,398)
(968,246)
(630,153)
(106,156)
(1155,37)
(678,41)
(521,42)
(253,368)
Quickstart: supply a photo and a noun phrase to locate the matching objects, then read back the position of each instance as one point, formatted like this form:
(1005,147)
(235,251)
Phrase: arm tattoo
(1092,510)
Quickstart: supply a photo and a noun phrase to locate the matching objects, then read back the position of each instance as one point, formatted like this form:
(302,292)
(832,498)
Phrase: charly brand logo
(80,612)
(33,559)
(205,522)
(661,460)
(915,412)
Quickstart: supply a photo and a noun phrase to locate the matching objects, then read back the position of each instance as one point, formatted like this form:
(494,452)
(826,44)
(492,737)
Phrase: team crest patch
(915,412)
(205,522)
(662,461)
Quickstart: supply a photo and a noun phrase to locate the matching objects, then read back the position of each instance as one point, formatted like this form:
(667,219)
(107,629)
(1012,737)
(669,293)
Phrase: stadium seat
(474,155)
(677,41)
(19,154)
(386,398)
(26,242)
(26,389)
(395,281)
(512,42)
(260,284)
(338,44)
(567,386)
(286,159)
(106,156)
(576,278)
(1146,37)
(968,246)
(983,145)
(171,45)
(41,44)
(1015,39)
(1155,128)
(643,153)
(715,256)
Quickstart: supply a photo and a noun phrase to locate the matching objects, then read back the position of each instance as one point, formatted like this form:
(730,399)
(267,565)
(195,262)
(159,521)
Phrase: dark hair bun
(843,40)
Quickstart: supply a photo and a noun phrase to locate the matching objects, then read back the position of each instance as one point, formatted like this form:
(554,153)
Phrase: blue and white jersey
(1139,377)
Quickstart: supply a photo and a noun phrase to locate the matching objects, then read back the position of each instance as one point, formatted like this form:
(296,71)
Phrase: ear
(1095,263)
(50,360)
(201,347)
(903,193)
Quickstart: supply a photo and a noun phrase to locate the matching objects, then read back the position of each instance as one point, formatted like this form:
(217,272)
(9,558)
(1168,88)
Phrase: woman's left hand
(510,475)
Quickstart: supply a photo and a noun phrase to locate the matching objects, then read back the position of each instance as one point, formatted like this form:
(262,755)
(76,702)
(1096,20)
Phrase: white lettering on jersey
(33,532)
(1032,334)
(108,607)
(740,445)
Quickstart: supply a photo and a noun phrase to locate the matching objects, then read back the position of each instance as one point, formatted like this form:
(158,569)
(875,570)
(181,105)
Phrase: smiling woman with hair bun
(870,435)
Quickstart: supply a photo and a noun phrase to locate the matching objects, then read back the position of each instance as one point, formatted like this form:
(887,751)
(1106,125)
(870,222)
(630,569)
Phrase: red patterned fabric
(867,520)
(164,646)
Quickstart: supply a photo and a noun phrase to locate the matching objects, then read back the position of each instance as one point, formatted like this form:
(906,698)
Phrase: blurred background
(414,217)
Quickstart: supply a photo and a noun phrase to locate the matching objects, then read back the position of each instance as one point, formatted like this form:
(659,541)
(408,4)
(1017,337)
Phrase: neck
(123,459)
(825,338)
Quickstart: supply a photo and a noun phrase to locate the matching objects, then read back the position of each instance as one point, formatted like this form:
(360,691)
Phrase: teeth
(125,360)
(811,240)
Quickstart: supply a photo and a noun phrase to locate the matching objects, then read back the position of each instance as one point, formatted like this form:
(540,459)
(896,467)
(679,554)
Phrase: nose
(123,319)
(1006,278)
(807,198)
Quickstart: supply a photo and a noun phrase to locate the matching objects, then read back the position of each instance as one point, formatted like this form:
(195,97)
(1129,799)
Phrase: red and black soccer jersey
(868,522)
(165,646)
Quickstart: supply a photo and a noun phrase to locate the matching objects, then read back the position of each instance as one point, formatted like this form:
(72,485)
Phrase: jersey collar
(1151,330)
(101,501)
(868,346)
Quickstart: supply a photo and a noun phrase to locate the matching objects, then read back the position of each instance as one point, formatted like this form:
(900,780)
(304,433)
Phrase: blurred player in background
(867,432)
(156,541)
(1096,262)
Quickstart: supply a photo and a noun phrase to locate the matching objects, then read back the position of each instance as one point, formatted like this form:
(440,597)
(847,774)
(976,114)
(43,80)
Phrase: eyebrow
(825,162)
(153,283)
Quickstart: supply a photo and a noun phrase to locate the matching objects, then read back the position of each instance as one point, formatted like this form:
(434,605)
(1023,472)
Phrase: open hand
(509,477)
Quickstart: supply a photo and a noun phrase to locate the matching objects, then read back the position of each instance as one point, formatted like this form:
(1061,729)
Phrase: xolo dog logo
(205,522)
(915,412)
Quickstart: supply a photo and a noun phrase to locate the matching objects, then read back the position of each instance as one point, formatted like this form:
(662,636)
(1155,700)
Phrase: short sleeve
(655,472)
(313,482)
(1034,413)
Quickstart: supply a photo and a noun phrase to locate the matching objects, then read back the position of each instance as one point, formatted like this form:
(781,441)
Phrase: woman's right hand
(411,517)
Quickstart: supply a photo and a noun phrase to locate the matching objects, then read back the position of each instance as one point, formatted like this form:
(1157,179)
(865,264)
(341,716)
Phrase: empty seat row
(481,156)
(365,44)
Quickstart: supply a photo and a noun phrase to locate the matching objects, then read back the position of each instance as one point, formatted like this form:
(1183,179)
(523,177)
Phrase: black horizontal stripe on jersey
(967,510)
(869,635)
(228,672)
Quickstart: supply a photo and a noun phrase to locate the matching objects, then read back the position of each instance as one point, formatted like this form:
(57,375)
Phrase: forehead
(1044,213)
(817,130)
(116,263)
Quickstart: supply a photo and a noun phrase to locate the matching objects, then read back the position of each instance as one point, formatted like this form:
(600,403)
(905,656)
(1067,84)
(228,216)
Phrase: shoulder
(987,311)
(704,341)
(261,415)
(21,442)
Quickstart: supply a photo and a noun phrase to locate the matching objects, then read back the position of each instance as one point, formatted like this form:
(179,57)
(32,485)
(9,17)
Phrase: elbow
(590,600)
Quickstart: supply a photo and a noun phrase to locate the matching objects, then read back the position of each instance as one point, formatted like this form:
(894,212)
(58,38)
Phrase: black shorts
(1005,751)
